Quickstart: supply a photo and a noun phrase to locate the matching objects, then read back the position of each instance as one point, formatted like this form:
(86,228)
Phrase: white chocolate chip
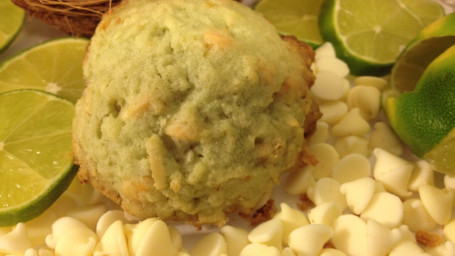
(327,157)
(421,175)
(380,239)
(367,99)
(321,134)
(77,242)
(310,239)
(135,234)
(107,219)
(377,82)
(449,182)
(113,241)
(351,124)
(334,65)
(236,239)
(62,226)
(358,193)
(327,86)
(176,238)
(327,190)
(437,202)
(325,50)
(346,89)
(416,217)
(299,181)
(71,237)
(211,244)
(383,137)
(447,248)
(156,239)
(384,208)
(333,112)
(287,252)
(350,235)
(259,249)
(351,167)
(392,171)
(407,248)
(407,234)
(268,233)
(324,213)
(352,144)
(16,241)
(290,219)
(449,231)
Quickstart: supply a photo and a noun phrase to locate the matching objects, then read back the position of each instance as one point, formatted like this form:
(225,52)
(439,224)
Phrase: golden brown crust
(428,239)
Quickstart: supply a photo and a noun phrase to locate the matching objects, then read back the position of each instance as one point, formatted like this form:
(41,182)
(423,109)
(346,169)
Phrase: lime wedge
(11,21)
(36,159)
(294,17)
(370,34)
(426,46)
(54,66)
(423,118)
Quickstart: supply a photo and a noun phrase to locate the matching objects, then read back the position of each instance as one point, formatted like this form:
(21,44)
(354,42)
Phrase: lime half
(54,66)
(11,21)
(294,17)
(426,46)
(370,34)
(36,159)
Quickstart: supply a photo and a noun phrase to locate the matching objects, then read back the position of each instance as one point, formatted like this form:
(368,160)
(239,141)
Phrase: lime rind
(421,117)
(424,48)
(371,50)
(48,185)
(14,20)
(294,18)
(441,157)
(357,65)
(35,207)
(63,75)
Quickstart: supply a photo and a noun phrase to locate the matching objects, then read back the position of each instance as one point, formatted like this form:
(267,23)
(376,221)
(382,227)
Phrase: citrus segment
(423,118)
(294,17)
(427,45)
(11,21)
(54,66)
(441,157)
(36,162)
(365,32)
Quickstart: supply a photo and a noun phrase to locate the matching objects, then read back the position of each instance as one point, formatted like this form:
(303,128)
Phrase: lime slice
(370,34)
(424,118)
(11,21)
(427,45)
(54,66)
(294,17)
(36,159)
